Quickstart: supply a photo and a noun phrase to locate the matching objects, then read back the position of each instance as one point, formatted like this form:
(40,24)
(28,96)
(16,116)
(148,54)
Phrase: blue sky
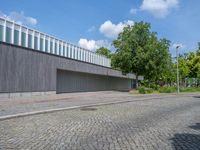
(92,24)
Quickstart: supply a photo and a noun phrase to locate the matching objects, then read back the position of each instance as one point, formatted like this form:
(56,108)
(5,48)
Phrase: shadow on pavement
(187,141)
(196,96)
(196,127)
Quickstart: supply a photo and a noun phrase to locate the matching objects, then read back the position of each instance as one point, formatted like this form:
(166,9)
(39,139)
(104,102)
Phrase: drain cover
(88,109)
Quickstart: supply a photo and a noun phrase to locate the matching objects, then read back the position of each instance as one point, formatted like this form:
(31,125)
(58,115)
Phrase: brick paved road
(167,123)
(40,103)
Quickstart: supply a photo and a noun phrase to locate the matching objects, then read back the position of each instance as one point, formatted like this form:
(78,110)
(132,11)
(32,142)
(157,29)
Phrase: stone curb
(77,107)
(56,110)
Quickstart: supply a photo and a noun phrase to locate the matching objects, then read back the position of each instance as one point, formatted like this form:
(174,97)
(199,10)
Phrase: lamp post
(177,70)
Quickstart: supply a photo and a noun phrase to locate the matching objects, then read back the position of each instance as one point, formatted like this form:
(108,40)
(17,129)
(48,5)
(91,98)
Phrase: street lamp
(177,70)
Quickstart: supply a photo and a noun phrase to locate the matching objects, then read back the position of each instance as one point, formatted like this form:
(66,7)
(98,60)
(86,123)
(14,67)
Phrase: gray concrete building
(35,63)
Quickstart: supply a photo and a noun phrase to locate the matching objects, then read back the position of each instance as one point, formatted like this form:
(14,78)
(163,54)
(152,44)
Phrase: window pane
(29,41)
(41,44)
(55,48)
(51,47)
(59,49)
(16,37)
(74,53)
(85,56)
(8,35)
(1,33)
(79,54)
(63,51)
(23,39)
(70,52)
(82,55)
(67,51)
(35,42)
(46,45)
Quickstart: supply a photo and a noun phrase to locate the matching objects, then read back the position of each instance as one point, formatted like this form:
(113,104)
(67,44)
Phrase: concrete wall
(26,70)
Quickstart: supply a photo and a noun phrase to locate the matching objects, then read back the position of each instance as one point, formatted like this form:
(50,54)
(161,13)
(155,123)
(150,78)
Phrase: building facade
(32,62)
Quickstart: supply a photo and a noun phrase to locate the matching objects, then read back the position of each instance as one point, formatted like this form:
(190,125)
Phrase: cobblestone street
(162,123)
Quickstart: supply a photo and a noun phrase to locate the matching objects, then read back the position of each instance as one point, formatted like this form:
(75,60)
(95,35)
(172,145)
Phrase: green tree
(183,67)
(190,63)
(104,51)
(139,51)
(198,51)
(158,62)
(196,66)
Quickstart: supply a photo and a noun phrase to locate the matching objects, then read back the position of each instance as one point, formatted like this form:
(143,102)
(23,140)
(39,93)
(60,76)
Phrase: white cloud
(93,45)
(20,18)
(91,29)
(112,30)
(133,11)
(159,8)
(182,46)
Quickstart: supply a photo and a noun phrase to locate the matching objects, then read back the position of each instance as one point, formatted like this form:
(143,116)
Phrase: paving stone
(164,123)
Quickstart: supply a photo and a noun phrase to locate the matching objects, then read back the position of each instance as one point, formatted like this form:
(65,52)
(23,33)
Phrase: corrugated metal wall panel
(68,81)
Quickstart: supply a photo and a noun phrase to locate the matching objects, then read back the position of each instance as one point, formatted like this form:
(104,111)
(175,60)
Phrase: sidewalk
(71,100)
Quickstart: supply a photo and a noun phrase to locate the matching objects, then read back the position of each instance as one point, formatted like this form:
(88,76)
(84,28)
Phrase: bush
(141,90)
(144,90)
(154,86)
(149,90)
(167,90)
(190,89)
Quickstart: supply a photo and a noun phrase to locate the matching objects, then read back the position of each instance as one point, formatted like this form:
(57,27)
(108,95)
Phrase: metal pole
(177,69)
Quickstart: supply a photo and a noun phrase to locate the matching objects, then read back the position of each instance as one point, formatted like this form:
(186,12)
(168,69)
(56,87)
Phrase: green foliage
(141,90)
(149,90)
(167,90)
(189,67)
(154,86)
(146,83)
(190,89)
(198,52)
(104,51)
(194,63)
(184,69)
(140,51)
(144,90)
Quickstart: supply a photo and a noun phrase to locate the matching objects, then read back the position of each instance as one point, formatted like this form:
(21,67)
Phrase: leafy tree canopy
(104,51)
(138,50)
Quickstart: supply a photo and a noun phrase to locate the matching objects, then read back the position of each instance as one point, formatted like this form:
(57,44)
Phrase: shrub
(144,90)
(155,86)
(141,90)
(167,90)
(149,90)
(190,89)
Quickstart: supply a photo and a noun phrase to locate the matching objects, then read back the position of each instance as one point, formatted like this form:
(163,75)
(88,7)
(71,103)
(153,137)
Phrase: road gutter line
(57,109)
(73,107)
